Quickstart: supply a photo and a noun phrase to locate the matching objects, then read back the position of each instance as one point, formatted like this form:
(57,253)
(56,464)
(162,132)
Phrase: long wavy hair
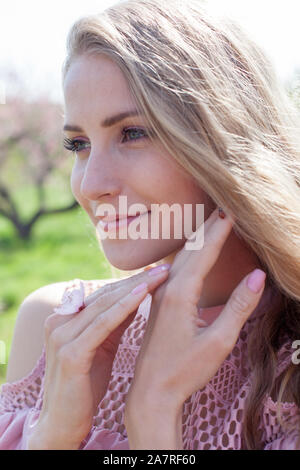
(212,98)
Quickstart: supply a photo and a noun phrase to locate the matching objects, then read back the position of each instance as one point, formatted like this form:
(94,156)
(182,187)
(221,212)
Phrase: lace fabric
(212,417)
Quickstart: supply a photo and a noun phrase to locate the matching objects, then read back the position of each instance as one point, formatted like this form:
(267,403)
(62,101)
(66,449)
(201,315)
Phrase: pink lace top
(212,417)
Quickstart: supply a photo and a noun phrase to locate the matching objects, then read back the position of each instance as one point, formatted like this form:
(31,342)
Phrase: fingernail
(159,269)
(222,214)
(201,322)
(256,280)
(140,288)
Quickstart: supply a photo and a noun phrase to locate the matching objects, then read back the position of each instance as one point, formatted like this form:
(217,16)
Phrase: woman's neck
(236,260)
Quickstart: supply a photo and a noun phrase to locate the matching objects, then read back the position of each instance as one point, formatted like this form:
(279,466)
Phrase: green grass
(63,247)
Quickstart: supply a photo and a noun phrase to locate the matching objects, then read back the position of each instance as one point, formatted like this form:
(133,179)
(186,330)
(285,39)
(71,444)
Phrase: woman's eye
(133,131)
(130,134)
(74,145)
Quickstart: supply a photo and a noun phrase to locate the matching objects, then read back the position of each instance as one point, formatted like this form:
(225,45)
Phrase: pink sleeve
(104,439)
(291,442)
(20,407)
(15,428)
(283,434)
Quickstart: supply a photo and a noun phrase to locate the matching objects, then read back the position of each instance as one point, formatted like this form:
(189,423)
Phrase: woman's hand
(180,353)
(80,350)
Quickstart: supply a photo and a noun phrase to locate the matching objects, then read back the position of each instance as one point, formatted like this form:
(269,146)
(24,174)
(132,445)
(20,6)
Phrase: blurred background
(45,236)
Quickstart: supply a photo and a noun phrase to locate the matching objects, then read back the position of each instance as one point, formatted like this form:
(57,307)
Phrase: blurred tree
(31,155)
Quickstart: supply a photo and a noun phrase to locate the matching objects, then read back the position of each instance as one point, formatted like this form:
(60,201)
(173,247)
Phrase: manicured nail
(256,280)
(222,214)
(201,322)
(159,269)
(140,288)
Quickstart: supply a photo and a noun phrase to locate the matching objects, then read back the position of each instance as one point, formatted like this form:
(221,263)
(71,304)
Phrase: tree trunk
(24,231)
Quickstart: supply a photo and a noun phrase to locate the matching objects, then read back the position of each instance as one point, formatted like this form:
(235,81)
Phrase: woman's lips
(109,226)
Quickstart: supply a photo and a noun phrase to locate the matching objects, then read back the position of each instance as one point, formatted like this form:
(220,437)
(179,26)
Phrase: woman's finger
(207,224)
(128,283)
(103,325)
(69,331)
(201,261)
(184,254)
(242,302)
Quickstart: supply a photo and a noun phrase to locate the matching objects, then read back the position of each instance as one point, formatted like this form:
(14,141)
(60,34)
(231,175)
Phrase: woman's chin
(138,256)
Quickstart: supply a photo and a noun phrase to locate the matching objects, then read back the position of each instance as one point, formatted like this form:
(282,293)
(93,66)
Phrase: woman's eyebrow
(108,122)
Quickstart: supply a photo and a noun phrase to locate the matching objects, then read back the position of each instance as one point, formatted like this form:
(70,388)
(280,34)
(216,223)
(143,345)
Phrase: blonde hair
(212,98)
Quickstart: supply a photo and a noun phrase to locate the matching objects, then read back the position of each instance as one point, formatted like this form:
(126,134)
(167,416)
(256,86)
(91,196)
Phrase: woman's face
(109,164)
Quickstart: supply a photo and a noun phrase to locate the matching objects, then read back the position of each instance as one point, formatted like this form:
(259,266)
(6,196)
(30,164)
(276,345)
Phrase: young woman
(166,104)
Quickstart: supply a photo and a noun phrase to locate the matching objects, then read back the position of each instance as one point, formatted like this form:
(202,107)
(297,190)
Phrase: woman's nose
(99,178)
